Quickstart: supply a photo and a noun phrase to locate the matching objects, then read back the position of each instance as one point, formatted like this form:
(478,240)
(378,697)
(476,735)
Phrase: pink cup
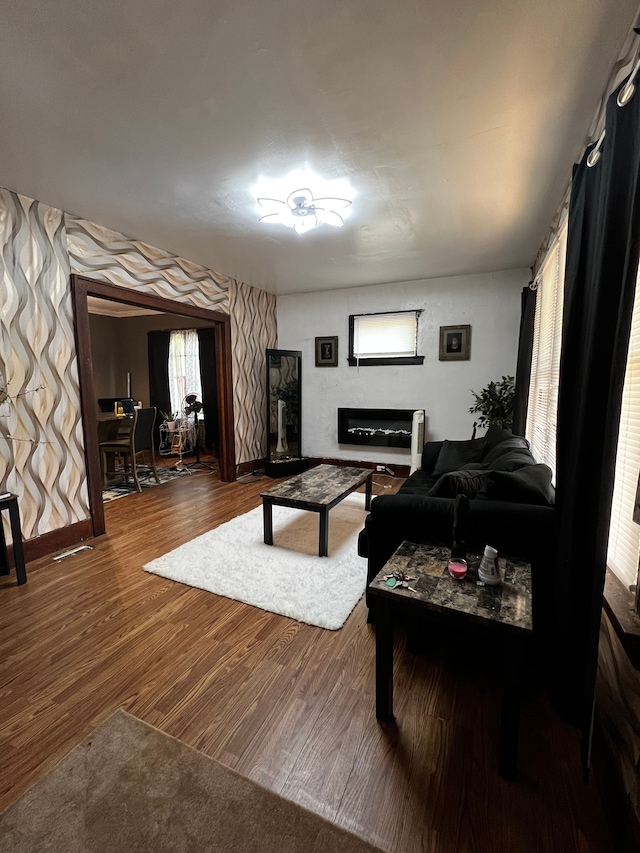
(457,568)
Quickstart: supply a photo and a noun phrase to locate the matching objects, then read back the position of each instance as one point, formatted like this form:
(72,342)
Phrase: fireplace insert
(375,427)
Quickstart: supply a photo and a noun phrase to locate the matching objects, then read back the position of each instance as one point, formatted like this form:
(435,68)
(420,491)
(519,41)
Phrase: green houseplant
(169,418)
(495,404)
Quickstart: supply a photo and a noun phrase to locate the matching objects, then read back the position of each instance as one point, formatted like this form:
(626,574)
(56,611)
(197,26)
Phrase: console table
(10,502)
(504,610)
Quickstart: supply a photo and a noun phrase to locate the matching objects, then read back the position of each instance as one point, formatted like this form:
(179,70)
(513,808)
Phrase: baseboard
(249,467)
(57,539)
(397,470)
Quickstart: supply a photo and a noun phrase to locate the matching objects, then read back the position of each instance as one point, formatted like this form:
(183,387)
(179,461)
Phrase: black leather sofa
(511,503)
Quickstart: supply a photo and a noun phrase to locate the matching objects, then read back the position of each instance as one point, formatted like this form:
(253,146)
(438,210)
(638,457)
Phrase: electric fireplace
(376,427)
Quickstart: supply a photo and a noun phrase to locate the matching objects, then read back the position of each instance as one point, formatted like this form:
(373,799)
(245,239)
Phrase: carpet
(129,787)
(287,577)
(119,488)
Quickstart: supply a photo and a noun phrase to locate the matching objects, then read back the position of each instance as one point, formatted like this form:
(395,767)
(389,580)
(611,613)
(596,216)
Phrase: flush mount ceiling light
(302,212)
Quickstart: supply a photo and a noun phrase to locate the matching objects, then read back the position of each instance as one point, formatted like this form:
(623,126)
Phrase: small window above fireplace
(390,337)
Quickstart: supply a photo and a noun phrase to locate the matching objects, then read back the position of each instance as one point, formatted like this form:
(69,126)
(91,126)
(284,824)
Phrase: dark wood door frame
(81,287)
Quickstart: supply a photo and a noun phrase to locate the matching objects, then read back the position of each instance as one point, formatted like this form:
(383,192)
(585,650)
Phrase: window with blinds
(387,338)
(624,533)
(545,361)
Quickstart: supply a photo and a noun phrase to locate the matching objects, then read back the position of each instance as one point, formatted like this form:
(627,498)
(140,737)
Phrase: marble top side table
(504,610)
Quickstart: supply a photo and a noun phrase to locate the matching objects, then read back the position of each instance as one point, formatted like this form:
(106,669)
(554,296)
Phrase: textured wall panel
(41,440)
(106,255)
(41,443)
(253,330)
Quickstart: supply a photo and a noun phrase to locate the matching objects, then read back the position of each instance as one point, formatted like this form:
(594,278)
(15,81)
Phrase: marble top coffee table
(317,490)
(504,610)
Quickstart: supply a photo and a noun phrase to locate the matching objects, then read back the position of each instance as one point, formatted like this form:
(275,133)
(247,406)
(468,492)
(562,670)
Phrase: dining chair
(108,431)
(139,440)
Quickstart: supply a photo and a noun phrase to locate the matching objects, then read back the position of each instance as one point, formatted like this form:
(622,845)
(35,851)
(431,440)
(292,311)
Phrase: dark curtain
(209,380)
(158,352)
(600,277)
(523,366)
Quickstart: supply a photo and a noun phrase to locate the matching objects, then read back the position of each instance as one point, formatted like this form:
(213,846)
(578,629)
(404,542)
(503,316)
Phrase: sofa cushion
(515,442)
(494,436)
(418,483)
(528,485)
(430,453)
(455,483)
(513,461)
(454,455)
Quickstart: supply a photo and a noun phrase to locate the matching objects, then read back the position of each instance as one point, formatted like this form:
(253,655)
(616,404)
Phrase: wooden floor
(287,704)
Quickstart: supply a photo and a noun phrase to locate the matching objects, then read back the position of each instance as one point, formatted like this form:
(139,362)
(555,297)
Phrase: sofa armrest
(430,453)
(518,530)
(394,518)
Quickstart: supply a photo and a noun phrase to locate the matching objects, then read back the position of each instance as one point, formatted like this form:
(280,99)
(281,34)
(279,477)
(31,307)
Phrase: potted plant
(495,404)
(170,420)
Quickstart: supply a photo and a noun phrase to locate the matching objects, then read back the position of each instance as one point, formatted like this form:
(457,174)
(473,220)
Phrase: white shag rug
(287,577)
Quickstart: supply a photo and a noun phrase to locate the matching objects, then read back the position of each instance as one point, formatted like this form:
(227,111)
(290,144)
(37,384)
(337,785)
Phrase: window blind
(545,361)
(624,534)
(385,335)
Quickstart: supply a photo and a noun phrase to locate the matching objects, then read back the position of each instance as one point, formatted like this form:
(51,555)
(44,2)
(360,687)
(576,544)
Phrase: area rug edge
(133,721)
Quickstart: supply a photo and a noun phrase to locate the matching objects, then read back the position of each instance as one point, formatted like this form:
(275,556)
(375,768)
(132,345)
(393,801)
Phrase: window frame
(174,333)
(354,361)
(544,382)
(623,544)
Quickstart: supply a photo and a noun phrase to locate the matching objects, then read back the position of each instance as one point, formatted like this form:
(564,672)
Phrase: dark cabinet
(284,416)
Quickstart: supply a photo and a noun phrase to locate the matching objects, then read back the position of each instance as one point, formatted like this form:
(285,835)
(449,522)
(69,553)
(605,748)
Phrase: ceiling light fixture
(302,212)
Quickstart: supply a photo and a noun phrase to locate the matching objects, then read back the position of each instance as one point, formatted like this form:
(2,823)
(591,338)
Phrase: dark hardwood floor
(287,704)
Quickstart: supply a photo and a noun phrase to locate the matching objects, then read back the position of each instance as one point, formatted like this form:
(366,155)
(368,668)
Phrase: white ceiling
(456,122)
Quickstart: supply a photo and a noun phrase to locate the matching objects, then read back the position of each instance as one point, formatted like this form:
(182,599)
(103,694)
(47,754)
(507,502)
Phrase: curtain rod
(628,63)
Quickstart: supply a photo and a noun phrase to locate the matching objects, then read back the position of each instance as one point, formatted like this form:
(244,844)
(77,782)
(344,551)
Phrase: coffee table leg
(323,545)
(384,662)
(367,494)
(268,521)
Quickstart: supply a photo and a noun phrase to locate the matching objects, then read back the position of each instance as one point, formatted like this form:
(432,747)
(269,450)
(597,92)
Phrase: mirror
(283,404)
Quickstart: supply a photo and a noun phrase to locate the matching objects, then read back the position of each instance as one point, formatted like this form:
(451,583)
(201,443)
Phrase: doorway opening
(97,375)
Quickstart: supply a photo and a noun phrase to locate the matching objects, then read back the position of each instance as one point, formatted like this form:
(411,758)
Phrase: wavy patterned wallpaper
(109,256)
(253,329)
(41,440)
(43,460)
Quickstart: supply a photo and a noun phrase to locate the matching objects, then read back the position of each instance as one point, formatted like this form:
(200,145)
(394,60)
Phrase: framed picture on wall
(327,352)
(455,343)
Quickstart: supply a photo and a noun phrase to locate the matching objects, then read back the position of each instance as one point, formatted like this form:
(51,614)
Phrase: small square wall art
(327,352)
(455,343)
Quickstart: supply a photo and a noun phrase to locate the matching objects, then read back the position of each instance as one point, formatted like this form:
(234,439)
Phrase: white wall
(489,302)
